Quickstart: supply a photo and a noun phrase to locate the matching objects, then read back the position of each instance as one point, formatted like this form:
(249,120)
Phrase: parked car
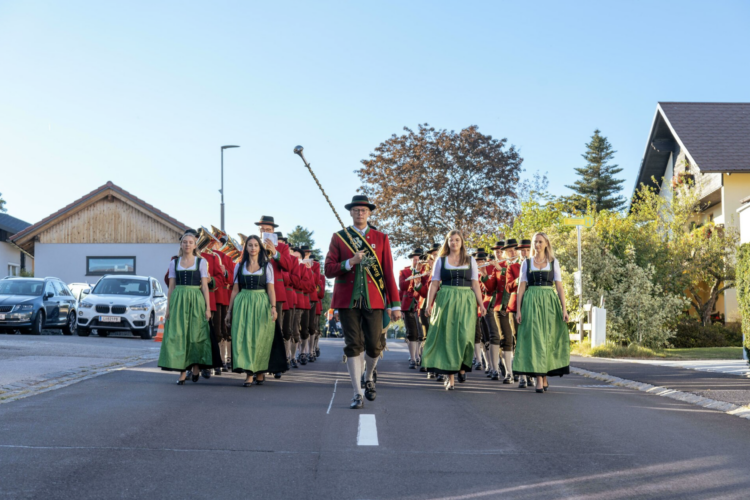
(123,303)
(33,304)
(79,290)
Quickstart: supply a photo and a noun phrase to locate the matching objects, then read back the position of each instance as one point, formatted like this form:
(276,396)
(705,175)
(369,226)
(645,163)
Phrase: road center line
(333,396)
(367,435)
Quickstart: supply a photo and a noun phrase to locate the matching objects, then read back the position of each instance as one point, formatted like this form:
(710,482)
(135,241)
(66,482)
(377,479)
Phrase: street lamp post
(222,183)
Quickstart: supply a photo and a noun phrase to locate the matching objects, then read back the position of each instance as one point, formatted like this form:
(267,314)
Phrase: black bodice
(252,281)
(454,277)
(190,277)
(540,278)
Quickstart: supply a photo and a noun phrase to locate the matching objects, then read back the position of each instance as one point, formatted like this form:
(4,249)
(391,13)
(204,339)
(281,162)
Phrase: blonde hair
(181,253)
(549,253)
(445,249)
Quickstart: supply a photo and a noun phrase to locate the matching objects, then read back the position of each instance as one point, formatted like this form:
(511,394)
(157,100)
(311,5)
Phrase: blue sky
(144,93)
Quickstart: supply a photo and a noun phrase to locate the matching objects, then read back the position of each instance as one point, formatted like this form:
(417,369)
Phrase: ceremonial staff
(298,151)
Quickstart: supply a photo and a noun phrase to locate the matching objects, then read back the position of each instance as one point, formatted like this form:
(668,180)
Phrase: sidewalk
(702,378)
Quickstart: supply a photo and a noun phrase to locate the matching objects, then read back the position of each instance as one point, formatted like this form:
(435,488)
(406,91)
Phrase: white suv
(123,303)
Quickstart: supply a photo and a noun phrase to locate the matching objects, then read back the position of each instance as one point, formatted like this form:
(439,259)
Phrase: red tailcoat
(511,283)
(277,265)
(223,292)
(343,287)
(408,294)
(290,295)
(214,271)
(496,283)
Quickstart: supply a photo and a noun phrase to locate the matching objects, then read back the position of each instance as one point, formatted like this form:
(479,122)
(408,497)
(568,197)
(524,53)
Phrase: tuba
(243,239)
(231,248)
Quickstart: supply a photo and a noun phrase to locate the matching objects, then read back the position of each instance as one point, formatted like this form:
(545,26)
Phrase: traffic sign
(586,222)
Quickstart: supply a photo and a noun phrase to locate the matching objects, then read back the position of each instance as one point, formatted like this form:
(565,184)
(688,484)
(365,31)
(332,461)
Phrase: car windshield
(122,286)
(21,287)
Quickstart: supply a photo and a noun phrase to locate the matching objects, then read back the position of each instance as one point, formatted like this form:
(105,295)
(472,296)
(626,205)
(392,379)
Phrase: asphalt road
(135,434)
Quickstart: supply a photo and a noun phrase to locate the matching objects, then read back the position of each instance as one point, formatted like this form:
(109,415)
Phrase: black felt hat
(435,247)
(524,244)
(360,200)
(510,243)
(499,245)
(416,252)
(191,232)
(304,249)
(266,220)
(481,255)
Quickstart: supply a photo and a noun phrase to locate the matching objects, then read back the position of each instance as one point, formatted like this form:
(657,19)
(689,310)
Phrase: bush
(692,333)
(743,290)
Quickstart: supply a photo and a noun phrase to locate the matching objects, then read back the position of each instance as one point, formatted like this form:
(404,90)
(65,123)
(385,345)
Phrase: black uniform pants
(296,325)
(222,331)
(286,325)
(363,329)
(508,342)
(312,325)
(304,332)
(494,328)
(425,322)
(412,326)
(478,332)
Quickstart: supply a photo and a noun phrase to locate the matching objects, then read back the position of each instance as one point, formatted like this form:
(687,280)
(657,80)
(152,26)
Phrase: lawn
(634,351)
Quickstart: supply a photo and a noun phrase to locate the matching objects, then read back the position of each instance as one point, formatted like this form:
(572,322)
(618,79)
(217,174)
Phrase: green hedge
(743,290)
(690,332)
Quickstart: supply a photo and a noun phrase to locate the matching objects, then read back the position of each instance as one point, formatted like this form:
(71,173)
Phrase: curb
(686,397)
(15,392)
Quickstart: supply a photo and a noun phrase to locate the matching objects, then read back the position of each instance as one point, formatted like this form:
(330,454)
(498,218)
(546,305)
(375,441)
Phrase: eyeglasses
(360,210)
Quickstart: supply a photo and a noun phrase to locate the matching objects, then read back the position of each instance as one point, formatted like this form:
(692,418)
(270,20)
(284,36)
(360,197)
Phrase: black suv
(33,304)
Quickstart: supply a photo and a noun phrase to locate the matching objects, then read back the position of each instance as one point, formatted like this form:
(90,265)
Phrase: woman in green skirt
(252,312)
(187,341)
(543,344)
(449,349)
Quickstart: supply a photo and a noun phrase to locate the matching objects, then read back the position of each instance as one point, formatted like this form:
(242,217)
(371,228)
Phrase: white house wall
(67,261)
(9,255)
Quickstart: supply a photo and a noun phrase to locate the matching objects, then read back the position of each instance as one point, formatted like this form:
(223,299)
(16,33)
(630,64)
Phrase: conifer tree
(597,184)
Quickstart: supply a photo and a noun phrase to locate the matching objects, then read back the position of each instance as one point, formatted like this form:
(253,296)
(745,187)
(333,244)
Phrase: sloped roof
(108,186)
(714,135)
(11,224)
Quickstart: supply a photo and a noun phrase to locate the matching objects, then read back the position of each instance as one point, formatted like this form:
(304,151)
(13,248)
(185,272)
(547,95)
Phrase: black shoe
(217,371)
(412,365)
(317,352)
(303,360)
(180,382)
(461,378)
(357,403)
(507,380)
(495,375)
(540,391)
(545,388)
(489,373)
(294,363)
(515,378)
(260,382)
(195,377)
(422,369)
(370,392)
(248,384)
(429,375)
(225,367)
(206,373)
(522,384)
(441,378)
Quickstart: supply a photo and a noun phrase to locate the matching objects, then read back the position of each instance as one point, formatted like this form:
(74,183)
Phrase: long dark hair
(262,258)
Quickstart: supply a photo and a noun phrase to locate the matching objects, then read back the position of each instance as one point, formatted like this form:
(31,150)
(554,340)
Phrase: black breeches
(363,330)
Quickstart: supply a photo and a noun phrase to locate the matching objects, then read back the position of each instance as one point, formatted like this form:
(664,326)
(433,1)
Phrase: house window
(99,266)
(14,269)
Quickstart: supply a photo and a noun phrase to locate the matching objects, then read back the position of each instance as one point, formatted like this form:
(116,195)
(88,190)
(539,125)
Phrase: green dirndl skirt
(187,339)
(450,345)
(542,340)
(252,331)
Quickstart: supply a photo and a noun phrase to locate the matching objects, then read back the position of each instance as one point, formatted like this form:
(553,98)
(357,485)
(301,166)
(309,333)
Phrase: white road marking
(367,435)
(333,396)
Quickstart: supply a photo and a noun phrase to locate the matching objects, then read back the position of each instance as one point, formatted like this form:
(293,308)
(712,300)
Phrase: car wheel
(71,325)
(83,331)
(38,325)
(148,332)
(102,333)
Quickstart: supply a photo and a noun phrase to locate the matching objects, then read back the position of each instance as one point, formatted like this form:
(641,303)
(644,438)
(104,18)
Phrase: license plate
(109,319)
(2,316)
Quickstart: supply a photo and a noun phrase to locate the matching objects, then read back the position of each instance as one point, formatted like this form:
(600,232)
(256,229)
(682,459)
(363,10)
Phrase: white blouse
(439,266)
(269,272)
(204,268)
(527,262)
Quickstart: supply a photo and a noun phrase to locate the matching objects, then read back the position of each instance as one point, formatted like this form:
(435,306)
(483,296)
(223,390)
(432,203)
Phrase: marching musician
(364,287)
(216,272)
(409,304)
(511,286)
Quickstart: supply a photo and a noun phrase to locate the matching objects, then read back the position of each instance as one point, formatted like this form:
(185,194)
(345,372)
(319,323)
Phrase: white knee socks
(354,365)
(495,357)
(478,352)
(508,355)
(370,364)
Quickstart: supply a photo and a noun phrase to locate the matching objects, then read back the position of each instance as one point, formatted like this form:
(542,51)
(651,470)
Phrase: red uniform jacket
(512,282)
(290,295)
(214,271)
(303,282)
(343,286)
(486,291)
(315,269)
(223,292)
(409,296)
(424,290)
(496,284)
(278,265)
